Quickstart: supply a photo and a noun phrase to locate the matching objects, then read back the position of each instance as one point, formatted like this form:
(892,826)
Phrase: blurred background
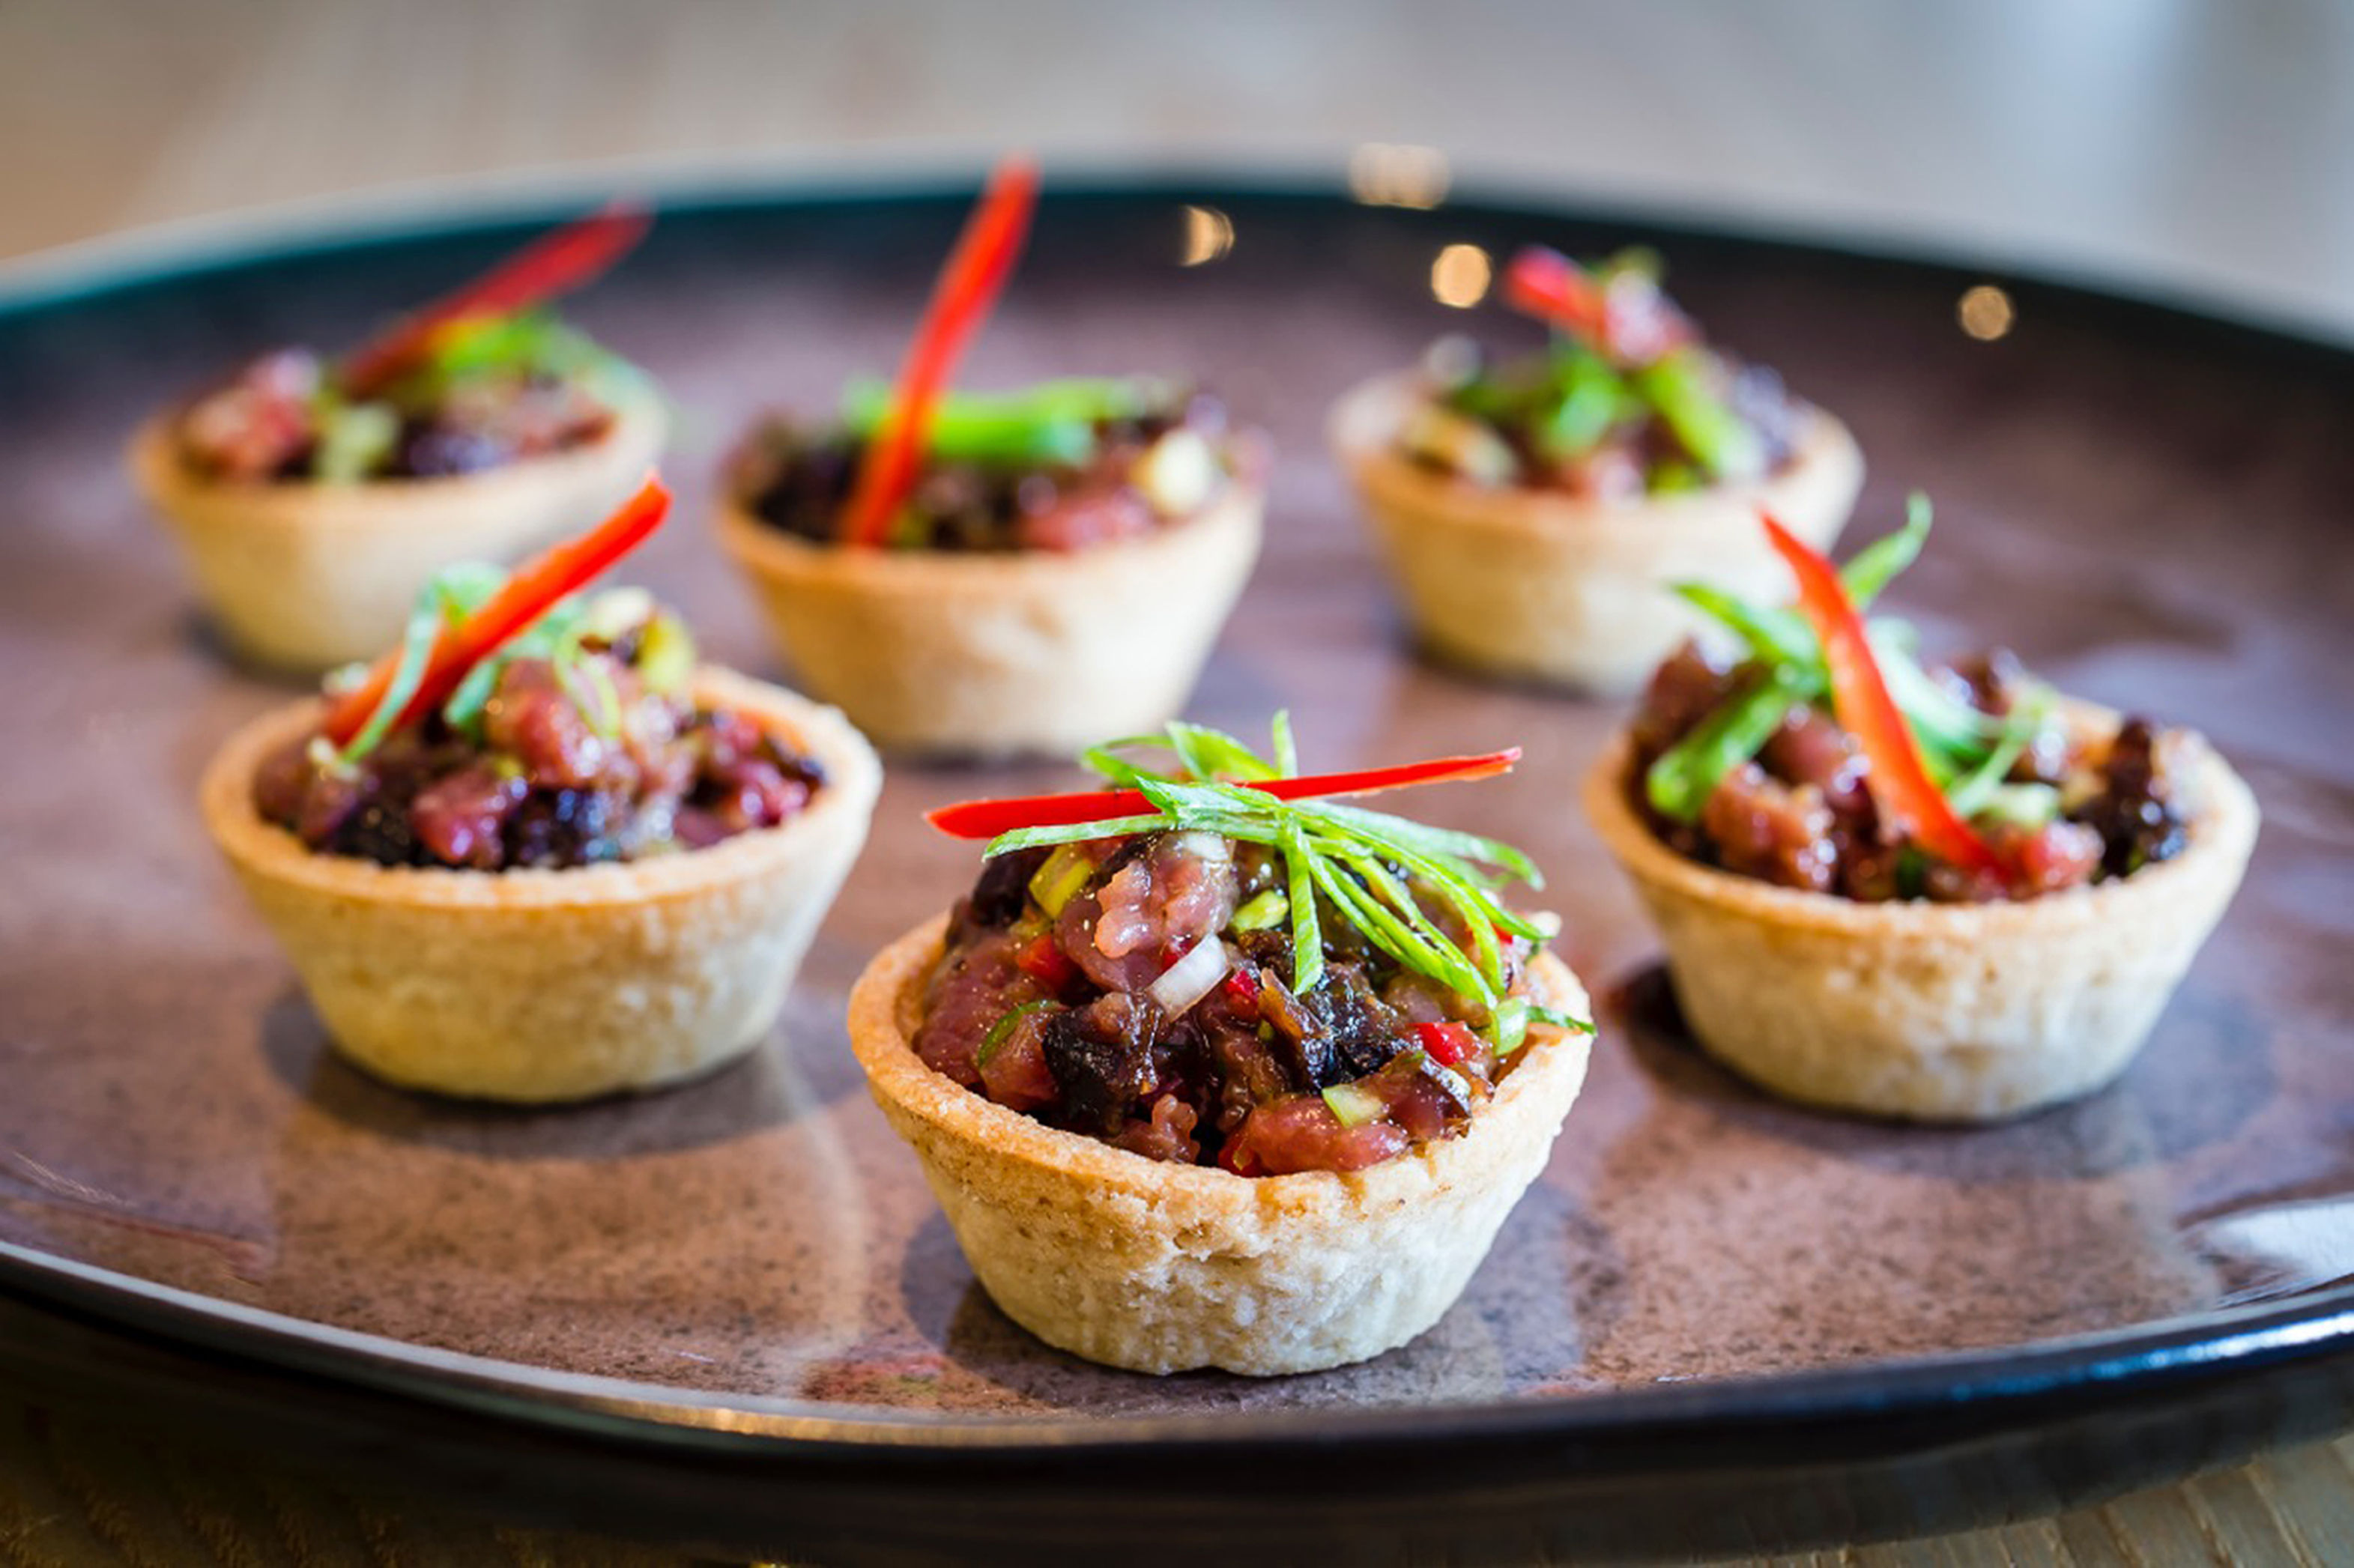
(2202,150)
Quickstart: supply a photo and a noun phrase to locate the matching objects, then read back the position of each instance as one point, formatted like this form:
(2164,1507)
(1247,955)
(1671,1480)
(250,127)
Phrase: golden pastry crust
(1546,587)
(305,576)
(992,654)
(1157,1267)
(1930,1011)
(534,985)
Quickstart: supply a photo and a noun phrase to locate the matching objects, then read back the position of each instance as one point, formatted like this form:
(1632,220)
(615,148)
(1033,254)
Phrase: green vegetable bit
(1052,423)
(1002,1030)
(1724,443)
(356,439)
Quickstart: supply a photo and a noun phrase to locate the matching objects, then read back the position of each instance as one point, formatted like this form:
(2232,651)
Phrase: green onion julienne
(560,636)
(1372,869)
(1966,751)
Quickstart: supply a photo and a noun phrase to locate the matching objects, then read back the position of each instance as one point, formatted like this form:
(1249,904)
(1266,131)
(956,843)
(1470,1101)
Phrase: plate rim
(2315,1327)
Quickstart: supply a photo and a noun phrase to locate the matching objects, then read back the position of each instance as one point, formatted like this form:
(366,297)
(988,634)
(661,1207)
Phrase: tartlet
(546,985)
(1533,520)
(1159,1268)
(989,654)
(1562,589)
(315,499)
(2009,946)
(536,852)
(983,575)
(1177,1122)
(305,575)
(1935,1012)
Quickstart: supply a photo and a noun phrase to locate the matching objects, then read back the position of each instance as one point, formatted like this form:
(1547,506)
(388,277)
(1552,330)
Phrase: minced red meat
(1052,1015)
(1798,814)
(269,419)
(543,784)
(798,479)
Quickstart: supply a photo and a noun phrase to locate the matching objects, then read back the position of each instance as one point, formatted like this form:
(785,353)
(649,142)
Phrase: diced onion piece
(1459,444)
(1355,1104)
(1178,474)
(1446,1078)
(613,613)
(1195,843)
(1191,977)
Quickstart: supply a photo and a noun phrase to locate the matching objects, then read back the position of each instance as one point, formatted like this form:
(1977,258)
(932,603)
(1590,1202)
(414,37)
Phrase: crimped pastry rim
(853,778)
(1365,420)
(2223,822)
(396,503)
(927,574)
(885,1000)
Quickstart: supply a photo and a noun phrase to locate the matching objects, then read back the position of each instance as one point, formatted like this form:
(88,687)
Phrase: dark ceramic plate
(731,1314)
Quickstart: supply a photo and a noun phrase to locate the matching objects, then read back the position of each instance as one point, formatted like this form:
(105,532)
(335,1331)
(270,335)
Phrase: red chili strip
(969,285)
(1447,1042)
(1044,962)
(1542,283)
(554,264)
(1899,780)
(986,819)
(1623,314)
(527,595)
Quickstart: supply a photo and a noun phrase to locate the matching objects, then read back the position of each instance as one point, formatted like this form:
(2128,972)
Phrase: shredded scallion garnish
(561,636)
(1967,752)
(1391,879)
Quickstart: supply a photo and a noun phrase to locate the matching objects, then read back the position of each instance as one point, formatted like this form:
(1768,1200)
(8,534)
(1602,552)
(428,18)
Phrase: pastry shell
(1540,586)
(982,654)
(1930,1011)
(305,575)
(1157,1267)
(540,985)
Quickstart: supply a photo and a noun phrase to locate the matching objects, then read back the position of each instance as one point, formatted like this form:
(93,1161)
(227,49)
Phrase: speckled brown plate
(731,1314)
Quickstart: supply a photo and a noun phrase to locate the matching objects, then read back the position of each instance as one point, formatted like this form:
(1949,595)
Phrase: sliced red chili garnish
(987,819)
(1242,984)
(1907,798)
(969,285)
(1541,282)
(551,265)
(527,595)
(1447,1042)
(1623,314)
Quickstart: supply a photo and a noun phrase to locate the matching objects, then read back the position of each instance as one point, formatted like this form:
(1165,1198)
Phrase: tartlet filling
(1830,760)
(1626,400)
(1230,971)
(579,743)
(1059,467)
(1061,1014)
(500,392)
(2069,811)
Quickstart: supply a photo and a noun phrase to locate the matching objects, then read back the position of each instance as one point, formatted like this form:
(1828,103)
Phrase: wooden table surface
(2198,149)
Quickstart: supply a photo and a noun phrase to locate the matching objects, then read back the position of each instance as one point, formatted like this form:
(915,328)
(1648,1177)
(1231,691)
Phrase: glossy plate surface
(725,1310)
